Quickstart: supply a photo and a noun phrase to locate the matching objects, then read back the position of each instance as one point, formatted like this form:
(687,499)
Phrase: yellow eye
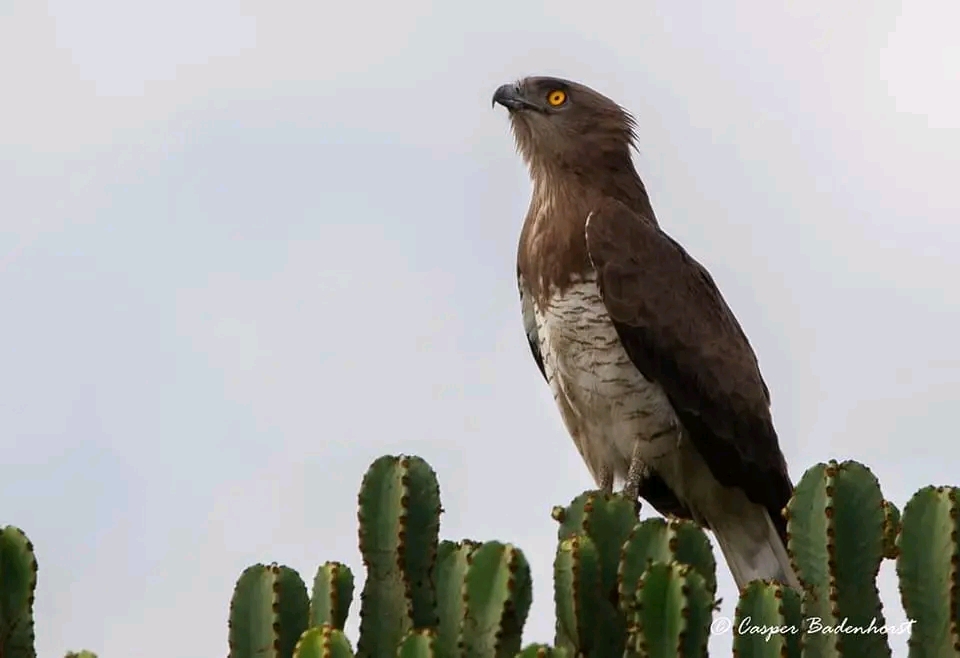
(556,97)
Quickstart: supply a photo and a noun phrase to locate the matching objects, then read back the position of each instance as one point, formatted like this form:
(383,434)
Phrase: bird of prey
(654,378)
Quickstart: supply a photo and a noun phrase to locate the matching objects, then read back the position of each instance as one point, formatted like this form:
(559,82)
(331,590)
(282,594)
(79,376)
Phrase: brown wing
(679,332)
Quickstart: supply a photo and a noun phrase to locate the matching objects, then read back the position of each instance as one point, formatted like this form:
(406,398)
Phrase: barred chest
(605,401)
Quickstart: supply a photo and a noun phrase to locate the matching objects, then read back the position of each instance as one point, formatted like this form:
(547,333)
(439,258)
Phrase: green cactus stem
(399,525)
(658,540)
(419,643)
(542,651)
(588,624)
(453,559)
(497,594)
(324,641)
(929,556)
(891,529)
(836,525)
(332,595)
(672,613)
(18,583)
(608,519)
(268,613)
(768,622)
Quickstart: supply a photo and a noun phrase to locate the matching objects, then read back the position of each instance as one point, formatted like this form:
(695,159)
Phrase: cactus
(18,582)
(621,588)
(399,525)
(671,614)
(836,525)
(497,595)
(419,643)
(608,519)
(332,595)
(543,651)
(927,565)
(324,641)
(891,529)
(268,613)
(658,540)
(453,559)
(588,622)
(768,622)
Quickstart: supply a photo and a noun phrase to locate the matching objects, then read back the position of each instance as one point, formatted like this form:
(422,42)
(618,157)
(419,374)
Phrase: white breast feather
(606,403)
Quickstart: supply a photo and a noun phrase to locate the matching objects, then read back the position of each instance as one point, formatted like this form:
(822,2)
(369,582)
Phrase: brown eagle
(654,378)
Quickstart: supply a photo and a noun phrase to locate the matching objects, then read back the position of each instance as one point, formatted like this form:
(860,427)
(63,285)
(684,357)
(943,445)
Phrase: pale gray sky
(248,247)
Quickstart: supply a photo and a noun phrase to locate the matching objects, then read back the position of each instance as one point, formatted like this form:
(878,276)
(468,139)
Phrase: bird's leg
(606,480)
(636,474)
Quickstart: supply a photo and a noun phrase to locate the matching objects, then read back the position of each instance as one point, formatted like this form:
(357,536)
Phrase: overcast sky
(248,247)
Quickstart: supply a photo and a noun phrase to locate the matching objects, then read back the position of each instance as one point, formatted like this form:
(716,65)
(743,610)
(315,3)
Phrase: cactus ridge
(324,641)
(672,613)
(268,612)
(399,516)
(658,540)
(608,519)
(927,565)
(332,595)
(768,622)
(18,585)
(837,534)
(584,616)
(419,643)
(497,595)
(891,530)
(452,563)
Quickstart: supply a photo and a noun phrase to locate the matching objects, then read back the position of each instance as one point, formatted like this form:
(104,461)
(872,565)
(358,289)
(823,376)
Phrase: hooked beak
(511,97)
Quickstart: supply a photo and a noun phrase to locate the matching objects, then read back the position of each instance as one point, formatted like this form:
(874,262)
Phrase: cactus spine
(18,583)
(399,533)
(323,641)
(929,556)
(768,622)
(332,595)
(268,613)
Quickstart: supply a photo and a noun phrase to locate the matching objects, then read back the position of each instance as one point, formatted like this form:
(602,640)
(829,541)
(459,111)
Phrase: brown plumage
(651,371)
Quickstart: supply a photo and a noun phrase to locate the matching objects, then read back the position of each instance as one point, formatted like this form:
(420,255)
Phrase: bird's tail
(752,546)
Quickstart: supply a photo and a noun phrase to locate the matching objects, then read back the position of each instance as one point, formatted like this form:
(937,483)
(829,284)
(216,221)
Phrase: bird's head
(561,123)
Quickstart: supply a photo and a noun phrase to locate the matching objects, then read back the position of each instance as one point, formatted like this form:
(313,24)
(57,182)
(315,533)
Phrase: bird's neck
(611,176)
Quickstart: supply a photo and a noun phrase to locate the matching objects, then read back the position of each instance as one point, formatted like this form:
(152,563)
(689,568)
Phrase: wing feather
(679,331)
